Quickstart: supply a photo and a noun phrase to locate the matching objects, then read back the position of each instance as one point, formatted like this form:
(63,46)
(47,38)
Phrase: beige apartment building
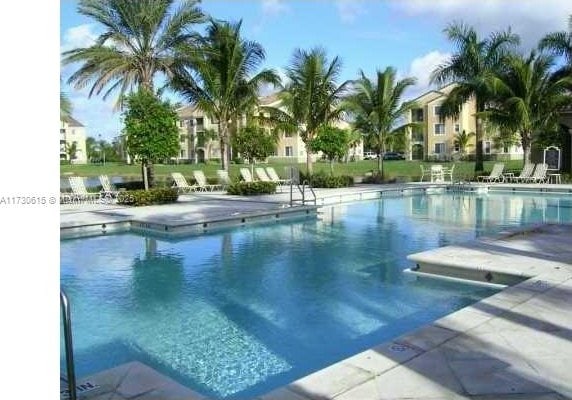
(72,132)
(199,140)
(435,138)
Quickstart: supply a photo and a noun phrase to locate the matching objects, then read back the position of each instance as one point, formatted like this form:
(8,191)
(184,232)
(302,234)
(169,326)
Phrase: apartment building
(434,139)
(72,133)
(199,140)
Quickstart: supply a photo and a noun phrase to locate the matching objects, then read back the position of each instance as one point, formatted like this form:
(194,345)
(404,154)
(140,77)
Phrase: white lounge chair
(525,174)
(223,178)
(181,184)
(437,174)
(275,178)
(246,175)
(202,184)
(495,175)
(261,174)
(108,190)
(78,188)
(539,175)
(448,172)
(424,172)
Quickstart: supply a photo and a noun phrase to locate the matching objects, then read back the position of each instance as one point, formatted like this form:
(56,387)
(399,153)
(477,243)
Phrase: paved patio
(513,345)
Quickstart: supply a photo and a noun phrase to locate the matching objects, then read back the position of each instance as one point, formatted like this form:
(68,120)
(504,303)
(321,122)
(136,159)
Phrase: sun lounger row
(79,190)
(530,174)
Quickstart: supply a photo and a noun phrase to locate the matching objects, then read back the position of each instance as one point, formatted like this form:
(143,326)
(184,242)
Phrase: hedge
(147,197)
(251,188)
(321,180)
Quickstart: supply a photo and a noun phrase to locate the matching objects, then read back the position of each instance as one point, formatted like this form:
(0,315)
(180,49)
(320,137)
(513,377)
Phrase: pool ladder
(70,369)
(302,190)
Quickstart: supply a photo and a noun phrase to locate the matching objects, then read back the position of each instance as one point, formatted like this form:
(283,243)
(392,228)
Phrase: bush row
(321,180)
(147,197)
(251,188)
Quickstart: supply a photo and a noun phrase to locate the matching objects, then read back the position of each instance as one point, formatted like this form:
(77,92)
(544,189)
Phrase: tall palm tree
(560,44)
(378,108)
(224,83)
(526,99)
(469,67)
(141,39)
(311,97)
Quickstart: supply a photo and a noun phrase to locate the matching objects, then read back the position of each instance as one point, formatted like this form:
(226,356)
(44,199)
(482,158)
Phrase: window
(457,147)
(288,134)
(439,129)
(289,151)
(487,147)
(439,148)
(505,149)
(181,123)
(417,115)
(62,130)
(457,128)
(182,139)
(437,110)
(182,153)
(200,121)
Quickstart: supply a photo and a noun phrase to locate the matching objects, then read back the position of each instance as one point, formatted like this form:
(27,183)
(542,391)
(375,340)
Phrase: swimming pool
(237,313)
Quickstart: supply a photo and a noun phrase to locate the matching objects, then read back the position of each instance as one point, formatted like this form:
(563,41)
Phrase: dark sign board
(552,157)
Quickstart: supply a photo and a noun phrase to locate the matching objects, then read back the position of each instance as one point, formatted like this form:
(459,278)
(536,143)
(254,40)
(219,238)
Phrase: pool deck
(515,344)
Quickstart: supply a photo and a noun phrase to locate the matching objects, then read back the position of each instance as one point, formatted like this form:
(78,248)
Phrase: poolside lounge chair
(448,172)
(78,188)
(495,175)
(424,171)
(262,175)
(539,175)
(223,178)
(525,173)
(437,174)
(246,175)
(108,190)
(202,184)
(275,178)
(181,184)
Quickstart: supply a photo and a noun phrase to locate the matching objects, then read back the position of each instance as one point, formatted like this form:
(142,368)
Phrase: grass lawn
(406,170)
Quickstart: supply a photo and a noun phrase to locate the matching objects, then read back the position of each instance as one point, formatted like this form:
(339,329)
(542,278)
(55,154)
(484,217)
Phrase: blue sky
(406,34)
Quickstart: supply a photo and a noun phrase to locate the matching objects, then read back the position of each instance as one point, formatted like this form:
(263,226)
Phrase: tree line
(220,72)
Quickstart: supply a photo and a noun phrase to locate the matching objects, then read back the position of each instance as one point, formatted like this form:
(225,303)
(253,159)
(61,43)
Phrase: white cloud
(531,19)
(421,69)
(349,10)
(78,36)
(271,8)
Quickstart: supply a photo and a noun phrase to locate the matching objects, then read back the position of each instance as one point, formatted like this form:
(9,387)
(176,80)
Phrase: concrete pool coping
(514,343)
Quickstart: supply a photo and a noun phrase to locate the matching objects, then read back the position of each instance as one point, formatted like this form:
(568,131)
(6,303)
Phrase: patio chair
(437,174)
(539,175)
(223,179)
(107,188)
(181,184)
(495,175)
(424,172)
(202,184)
(246,175)
(78,188)
(525,173)
(275,178)
(448,172)
(261,174)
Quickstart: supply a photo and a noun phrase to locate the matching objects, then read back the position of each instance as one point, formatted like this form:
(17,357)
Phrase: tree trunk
(332,166)
(526,142)
(309,166)
(479,139)
(221,143)
(144,174)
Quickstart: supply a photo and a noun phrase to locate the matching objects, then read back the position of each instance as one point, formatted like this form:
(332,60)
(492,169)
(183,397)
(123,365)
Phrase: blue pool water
(237,313)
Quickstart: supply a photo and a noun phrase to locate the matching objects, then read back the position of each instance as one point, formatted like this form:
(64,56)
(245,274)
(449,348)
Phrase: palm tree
(560,44)
(141,39)
(312,96)
(462,140)
(469,67)
(225,85)
(377,108)
(65,106)
(526,99)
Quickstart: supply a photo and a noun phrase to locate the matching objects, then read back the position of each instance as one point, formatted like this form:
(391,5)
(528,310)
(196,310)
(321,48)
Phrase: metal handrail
(68,345)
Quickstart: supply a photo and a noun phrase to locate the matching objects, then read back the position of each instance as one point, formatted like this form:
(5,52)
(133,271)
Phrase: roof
(271,98)
(443,91)
(72,122)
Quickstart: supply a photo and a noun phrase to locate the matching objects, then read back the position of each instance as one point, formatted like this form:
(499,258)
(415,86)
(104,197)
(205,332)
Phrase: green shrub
(147,197)
(251,188)
(321,180)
